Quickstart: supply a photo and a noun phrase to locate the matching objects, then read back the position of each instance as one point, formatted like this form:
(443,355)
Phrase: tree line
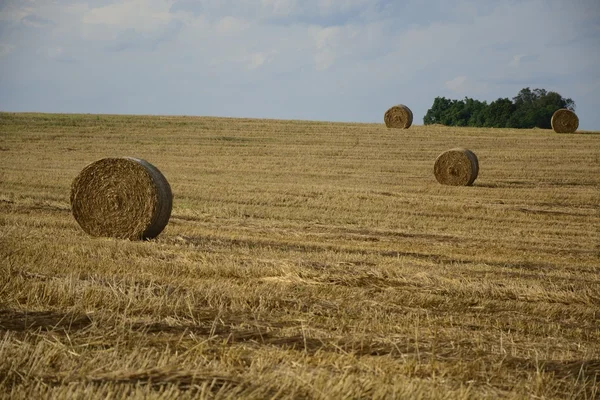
(529,109)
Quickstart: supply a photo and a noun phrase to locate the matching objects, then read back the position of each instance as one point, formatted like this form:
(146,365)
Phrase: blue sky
(335,60)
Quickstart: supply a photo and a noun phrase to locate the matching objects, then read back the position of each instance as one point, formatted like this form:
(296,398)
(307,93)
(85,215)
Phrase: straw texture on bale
(125,198)
(564,121)
(456,167)
(400,117)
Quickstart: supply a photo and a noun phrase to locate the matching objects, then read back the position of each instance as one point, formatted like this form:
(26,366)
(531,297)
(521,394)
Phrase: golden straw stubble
(456,167)
(400,117)
(125,198)
(564,121)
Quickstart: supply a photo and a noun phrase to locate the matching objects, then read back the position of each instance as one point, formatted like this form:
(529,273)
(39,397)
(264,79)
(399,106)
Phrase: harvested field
(302,260)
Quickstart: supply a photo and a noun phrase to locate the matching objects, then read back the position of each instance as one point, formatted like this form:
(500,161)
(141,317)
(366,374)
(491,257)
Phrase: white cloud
(256,60)
(516,60)
(5,49)
(56,53)
(279,7)
(463,85)
(141,15)
(336,6)
(326,42)
(456,84)
(35,21)
(324,59)
(231,25)
(50,52)
(14,11)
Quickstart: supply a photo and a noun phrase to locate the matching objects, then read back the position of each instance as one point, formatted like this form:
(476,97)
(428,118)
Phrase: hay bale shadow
(23,321)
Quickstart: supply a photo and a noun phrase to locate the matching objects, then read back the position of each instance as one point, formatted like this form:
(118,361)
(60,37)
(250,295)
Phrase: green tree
(438,109)
(498,113)
(456,114)
(475,111)
(534,108)
(530,108)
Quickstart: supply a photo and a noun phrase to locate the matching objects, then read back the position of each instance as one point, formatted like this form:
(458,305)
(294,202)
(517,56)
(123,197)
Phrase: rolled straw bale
(456,167)
(564,121)
(400,117)
(125,198)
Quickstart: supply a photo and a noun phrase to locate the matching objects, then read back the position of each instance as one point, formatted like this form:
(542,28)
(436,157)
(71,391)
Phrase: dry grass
(302,260)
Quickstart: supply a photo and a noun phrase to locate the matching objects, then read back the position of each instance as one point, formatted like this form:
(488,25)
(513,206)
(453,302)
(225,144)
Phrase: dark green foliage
(529,109)
(498,113)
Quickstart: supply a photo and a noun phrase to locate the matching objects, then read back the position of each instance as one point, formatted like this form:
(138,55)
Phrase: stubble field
(302,260)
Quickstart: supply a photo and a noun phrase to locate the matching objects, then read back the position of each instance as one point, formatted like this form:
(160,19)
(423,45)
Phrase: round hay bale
(400,117)
(456,167)
(564,121)
(125,198)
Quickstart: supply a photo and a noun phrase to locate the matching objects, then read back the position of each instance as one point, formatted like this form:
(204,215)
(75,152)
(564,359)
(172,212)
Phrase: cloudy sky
(335,60)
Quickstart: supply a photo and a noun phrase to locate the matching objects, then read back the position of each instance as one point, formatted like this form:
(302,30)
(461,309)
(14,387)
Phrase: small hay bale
(400,117)
(564,121)
(456,167)
(125,198)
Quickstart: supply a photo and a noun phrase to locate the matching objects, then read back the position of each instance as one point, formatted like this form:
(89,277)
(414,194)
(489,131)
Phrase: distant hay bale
(125,198)
(456,167)
(564,121)
(400,117)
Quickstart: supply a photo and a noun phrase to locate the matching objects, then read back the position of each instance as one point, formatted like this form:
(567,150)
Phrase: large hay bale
(400,117)
(124,198)
(564,121)
(456,167)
